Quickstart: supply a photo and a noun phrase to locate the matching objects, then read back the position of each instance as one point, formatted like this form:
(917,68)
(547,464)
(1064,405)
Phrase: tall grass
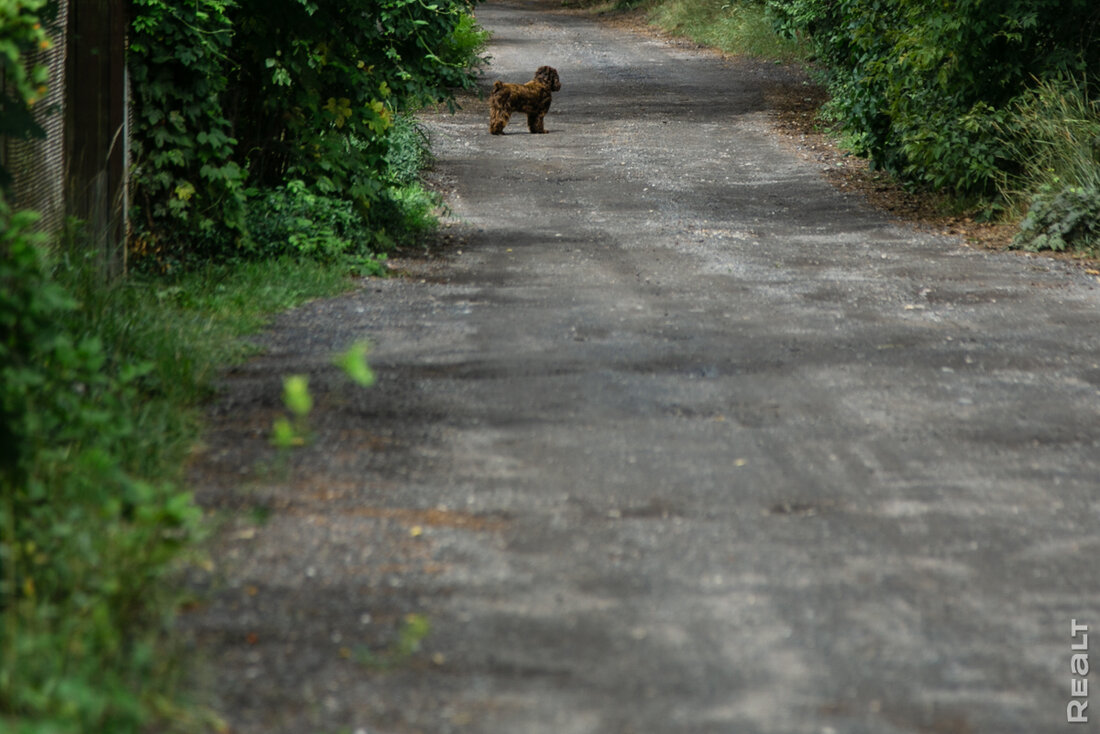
(1053,138)
(188,325)
(733,26)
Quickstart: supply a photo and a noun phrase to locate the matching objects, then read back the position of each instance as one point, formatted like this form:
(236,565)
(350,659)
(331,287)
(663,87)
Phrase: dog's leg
(534,122)
(498,120)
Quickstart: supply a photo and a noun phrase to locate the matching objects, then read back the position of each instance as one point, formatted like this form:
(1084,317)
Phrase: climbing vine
(238,97)
(187,185)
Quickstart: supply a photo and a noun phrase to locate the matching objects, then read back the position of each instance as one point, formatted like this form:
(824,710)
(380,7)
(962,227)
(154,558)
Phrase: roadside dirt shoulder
(795,108)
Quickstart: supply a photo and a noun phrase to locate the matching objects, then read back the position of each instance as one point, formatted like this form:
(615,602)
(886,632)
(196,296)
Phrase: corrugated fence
(38,166)
(80,168)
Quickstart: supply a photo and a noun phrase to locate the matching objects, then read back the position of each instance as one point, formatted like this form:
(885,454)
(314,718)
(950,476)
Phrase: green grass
(189,326)
(730,26)
(739,27)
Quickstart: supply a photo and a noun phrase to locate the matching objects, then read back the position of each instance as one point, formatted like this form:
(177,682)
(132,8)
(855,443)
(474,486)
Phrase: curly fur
(532,98)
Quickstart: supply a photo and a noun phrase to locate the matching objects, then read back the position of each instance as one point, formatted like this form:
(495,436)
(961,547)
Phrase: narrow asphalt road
(674,437)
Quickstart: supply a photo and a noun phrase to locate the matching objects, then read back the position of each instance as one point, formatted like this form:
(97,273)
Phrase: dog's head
(548,76)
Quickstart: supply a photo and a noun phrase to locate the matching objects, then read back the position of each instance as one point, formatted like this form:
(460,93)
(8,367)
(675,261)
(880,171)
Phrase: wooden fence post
(96,131)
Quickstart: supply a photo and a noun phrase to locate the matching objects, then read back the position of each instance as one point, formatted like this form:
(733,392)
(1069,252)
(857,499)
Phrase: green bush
(246,95)
(317,86)
(98,392)
(797,18)
(84,539)
(923,87)
(292,220)
(296,220)
(187,183)
(1064,219)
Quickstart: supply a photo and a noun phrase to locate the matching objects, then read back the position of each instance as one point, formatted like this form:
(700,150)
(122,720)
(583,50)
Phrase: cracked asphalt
(669,436)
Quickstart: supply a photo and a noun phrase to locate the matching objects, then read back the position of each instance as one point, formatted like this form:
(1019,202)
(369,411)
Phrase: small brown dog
(532,98)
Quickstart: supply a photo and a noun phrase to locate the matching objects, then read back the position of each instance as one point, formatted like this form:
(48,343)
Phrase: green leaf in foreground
(296,395)
(354,364)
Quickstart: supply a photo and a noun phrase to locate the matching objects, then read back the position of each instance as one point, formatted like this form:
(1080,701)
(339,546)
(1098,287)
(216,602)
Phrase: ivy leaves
(331,78)
(241,95)
(185,181)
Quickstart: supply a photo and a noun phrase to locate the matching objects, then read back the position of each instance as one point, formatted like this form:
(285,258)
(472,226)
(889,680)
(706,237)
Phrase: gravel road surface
(669,436)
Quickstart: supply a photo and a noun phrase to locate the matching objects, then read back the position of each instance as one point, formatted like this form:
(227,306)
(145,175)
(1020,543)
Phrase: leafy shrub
(922,87)
(797,18)
(460,49)
(292,220)
(237,95)
(316,85)
(98,386)
(187,185)
(296,220)
(84,541)
(1064,219)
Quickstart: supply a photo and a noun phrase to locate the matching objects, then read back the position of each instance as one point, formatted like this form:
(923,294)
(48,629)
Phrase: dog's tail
(500,94)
